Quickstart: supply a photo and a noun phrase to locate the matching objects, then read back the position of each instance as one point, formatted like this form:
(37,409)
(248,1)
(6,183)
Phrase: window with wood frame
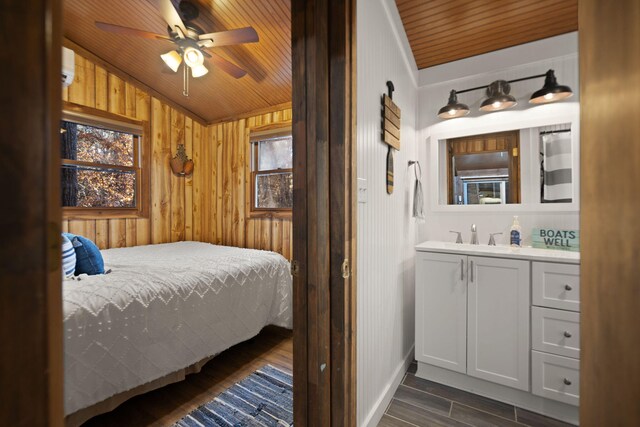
(271,172)
(104,170)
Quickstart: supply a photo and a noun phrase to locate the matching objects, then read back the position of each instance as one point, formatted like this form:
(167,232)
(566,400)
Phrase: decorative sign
(550,238)
(391,121)
(390,131)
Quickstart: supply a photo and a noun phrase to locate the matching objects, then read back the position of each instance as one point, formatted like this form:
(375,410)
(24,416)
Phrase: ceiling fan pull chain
(185,81)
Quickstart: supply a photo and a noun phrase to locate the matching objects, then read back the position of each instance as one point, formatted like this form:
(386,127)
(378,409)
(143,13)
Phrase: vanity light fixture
(551,91)
(498,97)
(453,108)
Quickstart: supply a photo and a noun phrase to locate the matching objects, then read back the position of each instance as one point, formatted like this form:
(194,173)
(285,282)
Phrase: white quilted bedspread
(163,308)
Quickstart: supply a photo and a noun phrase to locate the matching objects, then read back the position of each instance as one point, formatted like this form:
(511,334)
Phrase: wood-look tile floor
(423,403)
(165,406)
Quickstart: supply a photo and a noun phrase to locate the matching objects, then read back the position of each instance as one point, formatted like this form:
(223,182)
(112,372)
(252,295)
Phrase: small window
(102,169)
(272,172)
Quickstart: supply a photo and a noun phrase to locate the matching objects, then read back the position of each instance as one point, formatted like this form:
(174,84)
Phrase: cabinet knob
(567,334)
(568,287)
(567,381)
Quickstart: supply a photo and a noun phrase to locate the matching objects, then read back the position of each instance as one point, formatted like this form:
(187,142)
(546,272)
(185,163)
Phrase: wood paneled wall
(171,213)
(221,190)
(210,205)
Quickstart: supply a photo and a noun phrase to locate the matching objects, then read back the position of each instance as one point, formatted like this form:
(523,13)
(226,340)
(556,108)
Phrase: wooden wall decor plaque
(390,131)
(391,121)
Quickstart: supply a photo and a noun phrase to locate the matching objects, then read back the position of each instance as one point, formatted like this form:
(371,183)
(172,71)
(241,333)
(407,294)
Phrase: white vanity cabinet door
(498,331)
(441,310)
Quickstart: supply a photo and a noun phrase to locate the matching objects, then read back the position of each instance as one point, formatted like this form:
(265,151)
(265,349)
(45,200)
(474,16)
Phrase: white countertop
(533,254)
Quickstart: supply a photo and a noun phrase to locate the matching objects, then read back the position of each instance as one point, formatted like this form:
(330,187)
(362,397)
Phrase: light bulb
(496,104)
(193,57)
(172,59)
(548,96)
(199,71)
(452,112)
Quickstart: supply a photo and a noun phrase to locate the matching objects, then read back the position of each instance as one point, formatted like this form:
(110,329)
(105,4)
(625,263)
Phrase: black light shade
(551,91)
(498,97)
(453,108)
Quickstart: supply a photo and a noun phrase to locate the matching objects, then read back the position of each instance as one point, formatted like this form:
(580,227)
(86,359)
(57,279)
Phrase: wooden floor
(419,402)
(168,404)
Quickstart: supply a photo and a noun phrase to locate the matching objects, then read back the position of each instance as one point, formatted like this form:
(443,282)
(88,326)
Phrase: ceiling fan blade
(227,66)
(129,31)
(171,15)
(225,38)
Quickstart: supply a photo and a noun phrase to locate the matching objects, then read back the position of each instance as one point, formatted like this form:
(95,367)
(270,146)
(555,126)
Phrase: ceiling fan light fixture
(199,71)
(190,41)
(172,59)
(193,57)
(551,91)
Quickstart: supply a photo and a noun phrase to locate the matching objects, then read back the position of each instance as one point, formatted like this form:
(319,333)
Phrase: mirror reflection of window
(556,175)
(484,169)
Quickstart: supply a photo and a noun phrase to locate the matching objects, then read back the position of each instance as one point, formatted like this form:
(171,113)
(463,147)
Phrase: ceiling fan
(192,43)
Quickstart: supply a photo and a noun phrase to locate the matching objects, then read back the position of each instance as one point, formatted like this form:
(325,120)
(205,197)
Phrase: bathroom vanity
(501,322)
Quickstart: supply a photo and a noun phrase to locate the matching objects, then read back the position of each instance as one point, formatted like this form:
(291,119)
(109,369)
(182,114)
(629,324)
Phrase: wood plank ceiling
(441,31)
(216,95)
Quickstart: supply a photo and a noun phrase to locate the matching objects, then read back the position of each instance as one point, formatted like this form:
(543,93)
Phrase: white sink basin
(500,251)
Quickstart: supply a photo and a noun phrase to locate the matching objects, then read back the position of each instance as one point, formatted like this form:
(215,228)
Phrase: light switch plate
(362,190)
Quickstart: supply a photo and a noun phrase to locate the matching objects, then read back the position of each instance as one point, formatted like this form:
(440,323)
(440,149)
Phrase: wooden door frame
(323,57)
(609,202)
(31,367)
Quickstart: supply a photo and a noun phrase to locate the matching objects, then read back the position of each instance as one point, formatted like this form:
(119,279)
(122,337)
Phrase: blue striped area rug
(263,399)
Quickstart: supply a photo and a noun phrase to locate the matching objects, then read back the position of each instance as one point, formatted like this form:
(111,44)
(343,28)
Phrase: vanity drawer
(556,285)
(555,377)
(555,331)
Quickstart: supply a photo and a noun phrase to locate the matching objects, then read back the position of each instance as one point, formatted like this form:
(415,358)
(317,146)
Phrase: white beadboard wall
(508,64)
(386,231)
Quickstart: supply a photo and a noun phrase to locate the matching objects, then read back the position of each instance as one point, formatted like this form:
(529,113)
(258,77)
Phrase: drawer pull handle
(568,287)
(567,381)
(567,334)
(461,269)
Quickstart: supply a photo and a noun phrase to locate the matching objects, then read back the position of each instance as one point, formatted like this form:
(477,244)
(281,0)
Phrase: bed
(162,312)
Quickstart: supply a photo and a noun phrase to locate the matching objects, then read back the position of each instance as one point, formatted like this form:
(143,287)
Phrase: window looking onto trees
(272,172)
(102,170)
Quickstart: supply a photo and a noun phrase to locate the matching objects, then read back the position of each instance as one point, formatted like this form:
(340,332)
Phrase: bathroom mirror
(484,169)
(515,164)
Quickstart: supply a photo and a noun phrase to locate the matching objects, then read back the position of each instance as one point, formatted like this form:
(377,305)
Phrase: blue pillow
(88,257)
(68,257)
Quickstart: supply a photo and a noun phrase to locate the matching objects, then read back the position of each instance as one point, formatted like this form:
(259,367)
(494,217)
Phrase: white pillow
(68,258)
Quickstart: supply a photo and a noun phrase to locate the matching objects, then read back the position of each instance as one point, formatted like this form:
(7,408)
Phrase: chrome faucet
(492,241)
(474,235)
(459,238)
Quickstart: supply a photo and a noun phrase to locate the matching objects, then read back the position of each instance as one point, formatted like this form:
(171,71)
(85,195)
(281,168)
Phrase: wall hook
(390,88)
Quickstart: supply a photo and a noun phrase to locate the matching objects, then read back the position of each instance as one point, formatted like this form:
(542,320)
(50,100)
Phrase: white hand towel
(418,196)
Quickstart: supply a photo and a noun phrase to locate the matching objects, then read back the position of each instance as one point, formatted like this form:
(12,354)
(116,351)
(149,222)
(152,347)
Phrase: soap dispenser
(516,233)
